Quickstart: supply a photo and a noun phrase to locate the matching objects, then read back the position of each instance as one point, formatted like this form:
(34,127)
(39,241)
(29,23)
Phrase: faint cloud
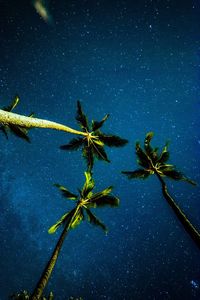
(42,10)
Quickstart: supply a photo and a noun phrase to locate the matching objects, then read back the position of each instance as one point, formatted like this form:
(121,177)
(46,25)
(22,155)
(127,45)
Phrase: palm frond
(143,159)
(74,144)
(89,157)
(31,115)
(166,167)
(101,194)
(62,221)
(147,141)
(99,151)
(65,192)
(13,104)
(164,155)
(78,218)
(81,117)
(95,221)
(176,175)
(21,132)
(96,125)
(107,200)
(112,140)
(139,173)
(190,181)
(88,185)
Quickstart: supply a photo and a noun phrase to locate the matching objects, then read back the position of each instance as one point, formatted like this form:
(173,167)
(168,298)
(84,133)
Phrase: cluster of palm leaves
(19,131)
(84,202)
(153,162)
(93,143)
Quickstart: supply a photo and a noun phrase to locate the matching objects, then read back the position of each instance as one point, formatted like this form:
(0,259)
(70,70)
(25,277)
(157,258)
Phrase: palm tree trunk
(37,294)
(192,231)
(29,122)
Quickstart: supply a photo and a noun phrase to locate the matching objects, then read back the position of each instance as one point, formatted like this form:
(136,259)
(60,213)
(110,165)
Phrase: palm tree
(93,143)
(151,162)
(21,123)
(84,201)
(17,130)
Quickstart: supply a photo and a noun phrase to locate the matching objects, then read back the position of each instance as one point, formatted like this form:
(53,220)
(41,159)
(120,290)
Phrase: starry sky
(139,61)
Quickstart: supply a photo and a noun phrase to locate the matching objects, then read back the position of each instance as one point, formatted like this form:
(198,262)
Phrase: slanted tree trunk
(37,294)
(29,122)
(192,231)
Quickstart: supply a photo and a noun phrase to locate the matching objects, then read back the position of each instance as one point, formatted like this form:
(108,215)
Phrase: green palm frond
(20,132)
(164,156)
(13,104)
(96,125)
(66,218)
(107,200)
(78,218)
(112,140)
(139,173)
(74,144)
(65,192)
(176,175)
(81,117)
(88,156)
(99,151)
(101,194)
(147,146)
(143,159)
(88,185)
(95,221)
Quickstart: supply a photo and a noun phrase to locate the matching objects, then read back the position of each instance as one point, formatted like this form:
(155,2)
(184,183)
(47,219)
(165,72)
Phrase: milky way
(139,62)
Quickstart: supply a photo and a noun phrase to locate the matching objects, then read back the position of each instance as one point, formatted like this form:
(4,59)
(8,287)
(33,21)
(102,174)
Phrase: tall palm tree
(11,120)
(83,203)
(151,162)
(93,143)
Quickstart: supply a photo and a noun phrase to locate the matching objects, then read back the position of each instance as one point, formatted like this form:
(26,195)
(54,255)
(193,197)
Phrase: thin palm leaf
(97,125)
(74,144)
(139,173)
(65,192)
(95,221)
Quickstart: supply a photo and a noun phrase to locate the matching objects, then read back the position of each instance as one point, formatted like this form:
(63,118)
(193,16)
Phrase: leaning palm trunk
(192,231)
(29,122)
(37,294)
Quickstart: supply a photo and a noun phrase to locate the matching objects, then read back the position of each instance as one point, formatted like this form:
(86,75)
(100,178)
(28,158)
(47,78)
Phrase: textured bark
(192,231)
(29,122)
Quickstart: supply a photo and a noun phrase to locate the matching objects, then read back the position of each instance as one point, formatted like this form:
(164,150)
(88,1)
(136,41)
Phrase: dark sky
(138,61)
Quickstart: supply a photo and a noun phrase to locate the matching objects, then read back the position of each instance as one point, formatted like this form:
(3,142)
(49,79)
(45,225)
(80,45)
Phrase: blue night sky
(140,62)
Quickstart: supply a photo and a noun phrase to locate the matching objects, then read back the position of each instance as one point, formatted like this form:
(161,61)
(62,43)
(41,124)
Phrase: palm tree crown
(93,143)
(152,162)
(84,202)
(19,131)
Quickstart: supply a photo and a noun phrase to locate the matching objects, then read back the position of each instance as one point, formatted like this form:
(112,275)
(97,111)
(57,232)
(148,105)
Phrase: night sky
(139,61)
